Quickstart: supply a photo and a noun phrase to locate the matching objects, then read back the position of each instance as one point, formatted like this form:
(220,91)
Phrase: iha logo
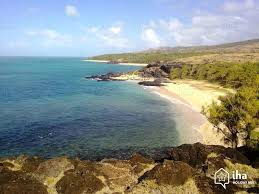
(221,177)
(238,176)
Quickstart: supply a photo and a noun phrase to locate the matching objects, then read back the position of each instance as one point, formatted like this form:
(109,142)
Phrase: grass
(233,52)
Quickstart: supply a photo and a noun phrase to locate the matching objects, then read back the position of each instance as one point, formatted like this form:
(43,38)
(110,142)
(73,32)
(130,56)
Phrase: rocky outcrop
(159,69)
(19,182)
(156,71)
(113,62)
(172,173)
(156,82)
(188,168)
(197,154)
(106,77)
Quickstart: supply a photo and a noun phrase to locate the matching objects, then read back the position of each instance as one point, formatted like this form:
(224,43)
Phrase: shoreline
(189,97)
(105,61)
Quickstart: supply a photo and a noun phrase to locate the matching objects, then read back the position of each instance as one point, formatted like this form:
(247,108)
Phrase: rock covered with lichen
(187,168)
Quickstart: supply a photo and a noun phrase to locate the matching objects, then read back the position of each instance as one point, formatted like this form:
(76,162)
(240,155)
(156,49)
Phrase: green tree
(236,115)
(175,73)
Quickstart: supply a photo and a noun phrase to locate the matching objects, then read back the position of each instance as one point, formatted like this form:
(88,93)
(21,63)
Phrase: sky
(92,27)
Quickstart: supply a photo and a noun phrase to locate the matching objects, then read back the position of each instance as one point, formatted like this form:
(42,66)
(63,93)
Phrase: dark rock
(52,168)
(82,179)
(77,183)
(113,62)
(207,185)
(166,68)
(19,182)
(212,164)
(169,173)
(139,163)
(137,158)
(153,65)
(159,69)
(105,77)
(7,164)
(153,72)
(196,154)
(156,82)
(31,164)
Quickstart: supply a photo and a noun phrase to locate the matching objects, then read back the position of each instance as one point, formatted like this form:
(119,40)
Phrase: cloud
(115,29)
(71,10)
(51,37)
(93,29)
(150,36)
(236,6)
(110,36)
(235,21)
(172,24)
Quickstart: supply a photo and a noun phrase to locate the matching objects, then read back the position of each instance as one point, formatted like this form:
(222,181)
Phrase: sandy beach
(104,61)
(192,96)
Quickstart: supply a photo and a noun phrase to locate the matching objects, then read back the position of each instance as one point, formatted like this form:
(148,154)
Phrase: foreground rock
(187,168)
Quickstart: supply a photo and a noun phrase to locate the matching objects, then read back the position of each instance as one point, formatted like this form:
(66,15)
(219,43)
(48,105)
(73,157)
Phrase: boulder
(172,173)
(80,180)
(105,77)
(138,158)
(113,62)
(52,168)
(19,182)
(156,82)
(196,154)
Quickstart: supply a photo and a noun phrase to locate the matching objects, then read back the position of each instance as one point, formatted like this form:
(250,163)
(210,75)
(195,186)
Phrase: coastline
(190,96)
(105,61)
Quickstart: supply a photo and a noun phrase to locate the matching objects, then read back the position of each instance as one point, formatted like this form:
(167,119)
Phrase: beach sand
(192,96)
(104,61)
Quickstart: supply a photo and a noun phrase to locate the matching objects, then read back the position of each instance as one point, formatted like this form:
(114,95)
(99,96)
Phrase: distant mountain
(233,46)
(245,51)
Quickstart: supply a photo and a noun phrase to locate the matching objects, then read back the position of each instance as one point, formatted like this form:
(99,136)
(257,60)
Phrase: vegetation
(143,57)
(237,114)
(238,51)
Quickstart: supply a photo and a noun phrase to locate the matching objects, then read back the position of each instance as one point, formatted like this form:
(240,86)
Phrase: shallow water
(47,108)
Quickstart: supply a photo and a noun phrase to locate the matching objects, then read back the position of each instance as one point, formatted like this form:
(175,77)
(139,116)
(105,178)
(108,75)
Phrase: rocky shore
(152,75)
(188,168)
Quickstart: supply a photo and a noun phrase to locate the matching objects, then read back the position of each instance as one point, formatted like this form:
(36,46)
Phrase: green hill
(245,51)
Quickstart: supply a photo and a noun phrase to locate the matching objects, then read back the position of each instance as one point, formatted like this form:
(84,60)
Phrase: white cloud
(172,24)
(150,36)
(236,6)
(51,37)
(93,29)
(115,29)
(110,36)
(236,21)
(71,10)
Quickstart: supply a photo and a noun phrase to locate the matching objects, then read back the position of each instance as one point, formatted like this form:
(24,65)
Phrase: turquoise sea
(47,108)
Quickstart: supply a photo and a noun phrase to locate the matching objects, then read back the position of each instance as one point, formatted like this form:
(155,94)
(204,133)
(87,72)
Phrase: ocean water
(47,108)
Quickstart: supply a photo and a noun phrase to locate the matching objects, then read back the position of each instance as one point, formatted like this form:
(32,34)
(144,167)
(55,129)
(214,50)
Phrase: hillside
(235,52)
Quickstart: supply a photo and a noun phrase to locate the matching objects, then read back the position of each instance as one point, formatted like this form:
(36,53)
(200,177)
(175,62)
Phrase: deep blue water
(47,108)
